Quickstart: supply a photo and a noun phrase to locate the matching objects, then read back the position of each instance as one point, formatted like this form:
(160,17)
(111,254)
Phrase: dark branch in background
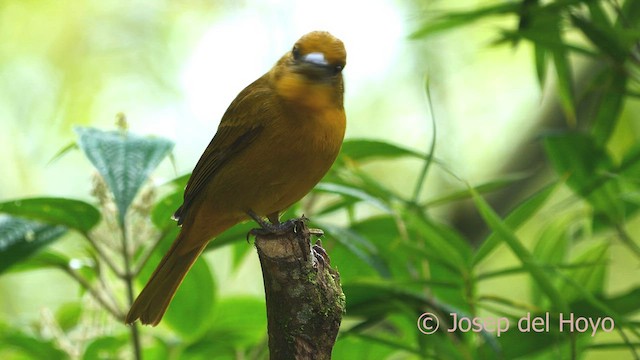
(304,297)
(529,157)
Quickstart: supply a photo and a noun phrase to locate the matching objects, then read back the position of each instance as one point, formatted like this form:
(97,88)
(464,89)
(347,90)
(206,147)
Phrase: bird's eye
(337,69)
(295,52)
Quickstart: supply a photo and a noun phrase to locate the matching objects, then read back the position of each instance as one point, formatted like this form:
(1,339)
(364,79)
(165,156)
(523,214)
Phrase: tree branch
(304,298)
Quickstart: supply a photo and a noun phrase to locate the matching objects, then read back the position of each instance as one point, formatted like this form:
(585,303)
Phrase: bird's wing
(241,124)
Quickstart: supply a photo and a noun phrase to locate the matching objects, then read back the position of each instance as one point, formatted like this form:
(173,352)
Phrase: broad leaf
(20,238)
(124,160)
(19,343)
(360,149)
(74,214)
(196,292)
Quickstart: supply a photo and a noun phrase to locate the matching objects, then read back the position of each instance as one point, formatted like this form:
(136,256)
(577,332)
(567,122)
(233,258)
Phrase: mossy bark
(304,298)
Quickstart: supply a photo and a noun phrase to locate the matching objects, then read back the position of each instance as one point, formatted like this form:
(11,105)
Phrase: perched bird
(275,142)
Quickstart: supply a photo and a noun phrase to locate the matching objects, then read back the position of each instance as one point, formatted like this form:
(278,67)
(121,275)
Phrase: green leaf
(487,187)
(105,347)
(237,323)
(360,348)
(361,149)
(163,210)
(20,238)
(378,298)
(589,168)
(438,242)
(540,54)
(353,193)
(514,220)
(565,85)
(457,19)
(74,214)
(528,261)
(190,310)
(607,42)
(591,278)
(41,259)
(63,151)
(125,161)
(235,234)
(551,249)
(68,315)
(359,246)
(609,105)
(14,340)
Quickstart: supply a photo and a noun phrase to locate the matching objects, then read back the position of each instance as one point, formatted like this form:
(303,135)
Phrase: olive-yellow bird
(275,142)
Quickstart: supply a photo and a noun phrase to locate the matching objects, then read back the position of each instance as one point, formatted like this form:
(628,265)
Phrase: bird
(275,142)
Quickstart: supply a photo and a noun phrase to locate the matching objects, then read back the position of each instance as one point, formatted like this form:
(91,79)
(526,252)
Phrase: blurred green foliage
(397,260)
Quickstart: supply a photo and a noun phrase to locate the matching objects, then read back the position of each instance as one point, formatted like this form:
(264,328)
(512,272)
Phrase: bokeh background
(174,66)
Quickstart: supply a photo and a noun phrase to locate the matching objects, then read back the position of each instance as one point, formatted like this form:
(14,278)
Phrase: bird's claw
(320,254)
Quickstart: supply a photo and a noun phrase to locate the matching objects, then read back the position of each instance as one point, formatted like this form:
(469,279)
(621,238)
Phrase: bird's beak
(315,58)
(315,66)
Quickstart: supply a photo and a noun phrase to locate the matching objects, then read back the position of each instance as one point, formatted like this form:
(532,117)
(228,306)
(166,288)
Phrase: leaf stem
(128,280)
(429,155)
(103,256)
(144,258)
(111,308)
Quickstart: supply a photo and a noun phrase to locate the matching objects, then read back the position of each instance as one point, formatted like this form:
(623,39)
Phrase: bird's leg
(320,254)
(273,227)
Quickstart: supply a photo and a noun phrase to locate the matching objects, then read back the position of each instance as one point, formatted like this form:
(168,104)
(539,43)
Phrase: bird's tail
(154,299)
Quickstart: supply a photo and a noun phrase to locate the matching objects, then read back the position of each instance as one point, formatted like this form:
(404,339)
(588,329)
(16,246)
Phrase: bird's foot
(320,255)
(279,228)
(267,228)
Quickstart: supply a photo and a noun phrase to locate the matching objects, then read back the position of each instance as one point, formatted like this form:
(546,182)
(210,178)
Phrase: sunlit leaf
(124,160)
(533,267)
(541,61)
(68,315)
(63,151)
(438,242)
(360,149)
(41,259)
(27,345)
(514,220)
(352,193)
(609,105)
(74,214)
(591,278)
(163,210)
(359,246)
(456,19)
(550,249)
(20,238)
(487,187)
(588,167)
(607,42)
(190,310)
(105,347)
(565,85)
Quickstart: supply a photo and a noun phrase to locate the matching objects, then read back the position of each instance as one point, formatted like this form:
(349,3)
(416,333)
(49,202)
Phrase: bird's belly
(271,181)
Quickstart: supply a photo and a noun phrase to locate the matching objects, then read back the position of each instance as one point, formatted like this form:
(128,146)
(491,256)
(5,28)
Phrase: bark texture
(304,297)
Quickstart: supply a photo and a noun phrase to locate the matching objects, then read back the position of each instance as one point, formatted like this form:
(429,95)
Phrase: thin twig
(111,308)
(103,256)
(432,148)
(128,279)
(148,251)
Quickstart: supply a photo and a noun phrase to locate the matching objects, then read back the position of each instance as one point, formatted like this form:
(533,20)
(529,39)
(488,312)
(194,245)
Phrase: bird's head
(311,72)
